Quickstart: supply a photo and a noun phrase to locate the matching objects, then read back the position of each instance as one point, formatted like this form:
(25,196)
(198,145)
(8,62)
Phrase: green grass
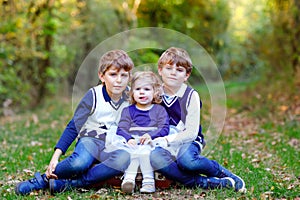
(268,159)
(269,166)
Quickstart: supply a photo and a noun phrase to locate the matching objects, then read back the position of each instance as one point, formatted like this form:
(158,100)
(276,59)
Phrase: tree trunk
(296,39)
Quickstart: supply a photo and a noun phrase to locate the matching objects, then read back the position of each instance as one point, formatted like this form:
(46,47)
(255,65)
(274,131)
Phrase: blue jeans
(112,164)
(187,167)
(87,152)
(108,164)
(189,159)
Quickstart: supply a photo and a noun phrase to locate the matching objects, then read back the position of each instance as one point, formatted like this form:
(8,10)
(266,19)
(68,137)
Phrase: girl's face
(143,94)
(115,81)
(173,77)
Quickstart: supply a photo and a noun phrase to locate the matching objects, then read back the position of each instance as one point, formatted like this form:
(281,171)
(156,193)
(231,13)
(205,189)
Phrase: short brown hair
(149,78)
(117,58)
(178,56)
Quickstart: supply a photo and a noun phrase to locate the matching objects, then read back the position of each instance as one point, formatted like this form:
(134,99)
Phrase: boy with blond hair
(185,140)
(94,120)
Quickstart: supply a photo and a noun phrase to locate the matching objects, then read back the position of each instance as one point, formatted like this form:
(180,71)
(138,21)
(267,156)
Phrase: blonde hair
(151,78)
(117,58)
(178,56)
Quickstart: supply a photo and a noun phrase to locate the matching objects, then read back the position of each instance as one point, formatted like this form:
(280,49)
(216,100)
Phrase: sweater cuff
(171,138)
(63,151)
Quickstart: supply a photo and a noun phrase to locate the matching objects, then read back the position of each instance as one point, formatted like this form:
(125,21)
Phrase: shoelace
(33,180)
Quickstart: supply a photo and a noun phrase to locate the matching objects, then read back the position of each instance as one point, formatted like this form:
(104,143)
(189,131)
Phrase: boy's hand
(145,139)
(51,169)
(52,165)
(161,142)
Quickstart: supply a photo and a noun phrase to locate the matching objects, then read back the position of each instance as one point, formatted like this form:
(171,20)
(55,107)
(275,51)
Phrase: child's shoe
(148,188)
(239,182)
(218,183)
(37,183)
(58,185)
(62,185)
(127,186)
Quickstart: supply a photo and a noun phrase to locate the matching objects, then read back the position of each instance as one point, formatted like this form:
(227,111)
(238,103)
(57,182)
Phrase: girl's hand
(131,142)
(145,139)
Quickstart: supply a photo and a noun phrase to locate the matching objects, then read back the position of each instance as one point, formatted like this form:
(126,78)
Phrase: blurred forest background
(254,43)
(44,42)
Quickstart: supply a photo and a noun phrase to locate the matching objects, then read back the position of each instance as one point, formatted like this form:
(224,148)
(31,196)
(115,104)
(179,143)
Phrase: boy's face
(173,76)
(115,80)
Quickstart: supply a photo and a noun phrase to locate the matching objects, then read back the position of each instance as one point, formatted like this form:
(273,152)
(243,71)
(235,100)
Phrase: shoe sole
(17,191)
(243,188)
(231,181)
(147,191)
(148,188)
(127,187)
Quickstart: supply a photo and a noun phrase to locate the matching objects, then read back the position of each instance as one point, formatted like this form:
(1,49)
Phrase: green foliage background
(255,44)
(44,42)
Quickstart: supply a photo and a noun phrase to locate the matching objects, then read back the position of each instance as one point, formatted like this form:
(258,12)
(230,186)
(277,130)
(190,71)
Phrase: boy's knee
(153,159)
(191,164)
(122,158)
(154,153)
(185,158)
(159,158)
(79,165)
(184,163)
(186,166)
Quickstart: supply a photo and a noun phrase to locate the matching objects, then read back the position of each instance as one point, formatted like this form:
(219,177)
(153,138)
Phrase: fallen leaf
(28,171)
(255,160)
(283,108)
(29,157)
(95,196)
(35,119)
(290,187)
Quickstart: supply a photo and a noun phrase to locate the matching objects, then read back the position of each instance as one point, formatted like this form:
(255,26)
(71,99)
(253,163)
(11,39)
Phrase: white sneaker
(127,186)
(148,188)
